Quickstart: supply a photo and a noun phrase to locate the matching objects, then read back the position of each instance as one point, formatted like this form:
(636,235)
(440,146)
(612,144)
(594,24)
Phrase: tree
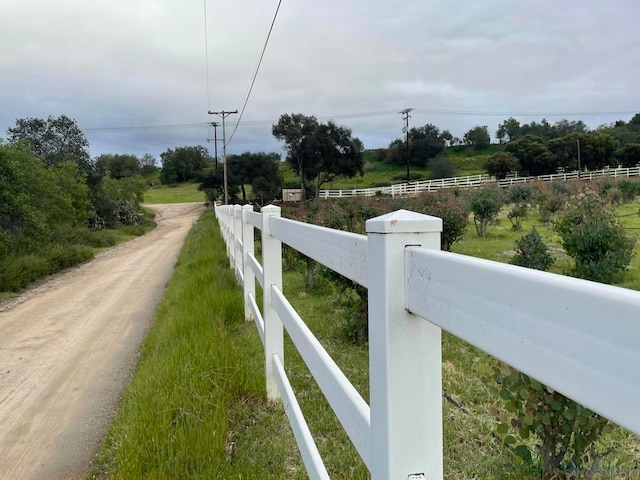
(597,150)
(260,170)
(478,136)
(296,131)
(595,240)
(55,140)
(318,152)
(501,164)
(508,130)
(148,164)
(520,196)
(337,154)
(534,156)
(565,127)
(425,142)
(183,164)
(543,129)
(212,183)
(485,205)
(117,165)
(629,155)
(37,203)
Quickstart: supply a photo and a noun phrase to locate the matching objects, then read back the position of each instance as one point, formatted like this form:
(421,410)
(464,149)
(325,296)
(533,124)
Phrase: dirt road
(68,348)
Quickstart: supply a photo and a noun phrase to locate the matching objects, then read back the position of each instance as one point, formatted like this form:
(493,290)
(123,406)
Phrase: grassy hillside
(378,173)
(184,192)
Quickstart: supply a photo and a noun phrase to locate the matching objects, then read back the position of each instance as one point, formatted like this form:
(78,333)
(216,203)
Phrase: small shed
(291,195)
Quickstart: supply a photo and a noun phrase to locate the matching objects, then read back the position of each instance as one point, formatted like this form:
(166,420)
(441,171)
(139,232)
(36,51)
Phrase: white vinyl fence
(472,181)
(578,337)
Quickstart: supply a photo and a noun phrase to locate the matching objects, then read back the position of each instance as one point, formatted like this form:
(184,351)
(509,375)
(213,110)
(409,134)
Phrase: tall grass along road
(69,346)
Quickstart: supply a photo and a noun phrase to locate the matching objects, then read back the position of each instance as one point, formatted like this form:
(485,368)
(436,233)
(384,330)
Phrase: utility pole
(406,117)
(215,126)
(223,114)
(579,175)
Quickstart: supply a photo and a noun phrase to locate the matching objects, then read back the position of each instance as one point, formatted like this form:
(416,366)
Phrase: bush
(629,189)
(532,252)
(556,432)
(441,167)
(485,205)
(16,272)
(450,207)
(593,238)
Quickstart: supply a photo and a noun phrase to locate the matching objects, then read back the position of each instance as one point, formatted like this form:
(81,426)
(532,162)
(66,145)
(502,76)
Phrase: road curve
(68,348)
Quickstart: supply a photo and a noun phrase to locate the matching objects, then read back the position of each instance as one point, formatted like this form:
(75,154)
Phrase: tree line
(55,200)
(319,152)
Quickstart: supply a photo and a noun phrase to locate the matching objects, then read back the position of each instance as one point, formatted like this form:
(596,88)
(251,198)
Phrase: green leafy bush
(485,205)
(595,240)
(532,252)
(544,428)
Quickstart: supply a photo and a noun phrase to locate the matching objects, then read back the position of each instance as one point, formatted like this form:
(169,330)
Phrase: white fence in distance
(413,188)
(578,337)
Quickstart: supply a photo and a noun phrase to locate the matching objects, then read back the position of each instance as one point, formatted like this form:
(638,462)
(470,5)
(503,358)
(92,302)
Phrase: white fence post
(249,286)
(232,236)
(237,227)
(405,362)
(273,329)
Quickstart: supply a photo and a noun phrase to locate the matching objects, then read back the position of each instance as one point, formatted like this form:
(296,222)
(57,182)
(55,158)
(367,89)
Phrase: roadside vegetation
(57,206)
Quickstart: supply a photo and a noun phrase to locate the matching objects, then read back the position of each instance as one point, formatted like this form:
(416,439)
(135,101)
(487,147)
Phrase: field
(184,192)
(377,173)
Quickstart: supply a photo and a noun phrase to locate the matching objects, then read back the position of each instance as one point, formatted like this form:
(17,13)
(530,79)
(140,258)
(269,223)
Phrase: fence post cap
(270,208)
(404,221)
(247,207)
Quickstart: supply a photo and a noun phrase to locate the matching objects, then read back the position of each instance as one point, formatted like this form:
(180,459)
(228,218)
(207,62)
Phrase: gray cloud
(130,63)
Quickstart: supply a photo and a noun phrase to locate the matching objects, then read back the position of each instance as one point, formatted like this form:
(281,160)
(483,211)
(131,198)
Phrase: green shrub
(532,252)
(60,257)
(16,272)
(556,434)
(448,205)
(595,240)
(441,167)
(629,189)
(485,205)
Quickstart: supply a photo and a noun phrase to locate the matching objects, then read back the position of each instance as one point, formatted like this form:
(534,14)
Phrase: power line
(206,53)
(175,126)
(520,114)
(255,74)
(348,116)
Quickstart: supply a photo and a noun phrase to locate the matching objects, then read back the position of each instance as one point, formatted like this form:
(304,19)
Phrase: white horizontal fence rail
(578,337)
(472,181)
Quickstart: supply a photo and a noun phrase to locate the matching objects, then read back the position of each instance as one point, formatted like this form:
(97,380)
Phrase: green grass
(199,386)
(378,173)
(182,193)
(72,247)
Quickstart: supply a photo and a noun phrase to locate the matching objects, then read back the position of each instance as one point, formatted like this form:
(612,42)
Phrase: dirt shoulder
(69,346)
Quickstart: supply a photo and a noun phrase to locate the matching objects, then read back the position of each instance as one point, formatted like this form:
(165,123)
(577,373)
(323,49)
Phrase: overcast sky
(116,65)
